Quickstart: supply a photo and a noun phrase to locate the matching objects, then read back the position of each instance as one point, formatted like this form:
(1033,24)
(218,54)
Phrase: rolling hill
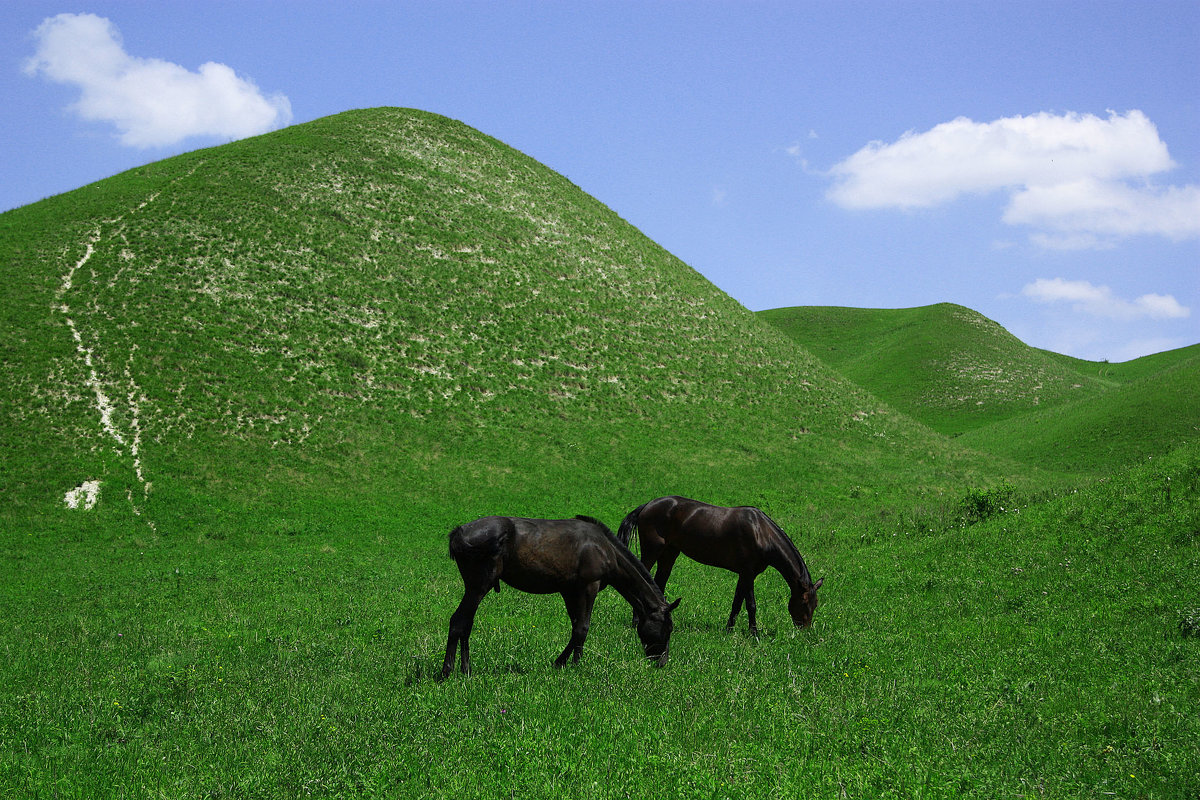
(1145,417)
(389,306)
(247,391)
(963,374)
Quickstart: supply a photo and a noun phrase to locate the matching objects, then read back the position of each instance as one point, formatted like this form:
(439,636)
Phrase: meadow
(1048,650)
(293,364)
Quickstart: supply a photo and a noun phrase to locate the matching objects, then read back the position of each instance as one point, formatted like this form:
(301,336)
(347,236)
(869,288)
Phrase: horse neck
(635,585)
(788,561)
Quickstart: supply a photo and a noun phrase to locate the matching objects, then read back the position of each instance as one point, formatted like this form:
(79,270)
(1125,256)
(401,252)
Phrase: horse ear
(674,605)
(817,585)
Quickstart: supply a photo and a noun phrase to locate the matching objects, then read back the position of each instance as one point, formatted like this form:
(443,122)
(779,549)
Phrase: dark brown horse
(573,557)
(742,540)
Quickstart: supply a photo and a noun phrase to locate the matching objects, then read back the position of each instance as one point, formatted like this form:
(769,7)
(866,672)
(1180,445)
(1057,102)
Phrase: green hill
(1146,417)
(389,306)
(948,366)
(961,373)
(280,370)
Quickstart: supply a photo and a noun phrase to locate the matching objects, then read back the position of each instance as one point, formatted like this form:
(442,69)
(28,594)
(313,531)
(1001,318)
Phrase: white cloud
(1100,301)
(1098,208)
(1068,176)
(152,103)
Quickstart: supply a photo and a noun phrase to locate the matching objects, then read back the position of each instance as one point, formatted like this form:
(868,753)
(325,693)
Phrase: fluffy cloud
(151,102)
(1100,301)
(1067,176)
(1090,209)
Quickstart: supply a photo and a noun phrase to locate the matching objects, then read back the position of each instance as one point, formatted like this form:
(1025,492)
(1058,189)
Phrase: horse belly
(532,582)
(543,562)
(723,555)
(540,574)
(711,558)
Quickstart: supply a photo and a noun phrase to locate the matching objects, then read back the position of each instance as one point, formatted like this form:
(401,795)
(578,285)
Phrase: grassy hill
(1155,411)
(962,374)
(285,367)
(388,298)
(948,366)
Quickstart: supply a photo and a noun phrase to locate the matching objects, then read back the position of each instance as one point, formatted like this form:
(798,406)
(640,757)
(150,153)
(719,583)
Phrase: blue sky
(1038,162)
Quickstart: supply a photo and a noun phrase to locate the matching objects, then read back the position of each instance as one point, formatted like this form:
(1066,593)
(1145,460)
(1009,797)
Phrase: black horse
(743,540)
(574,557)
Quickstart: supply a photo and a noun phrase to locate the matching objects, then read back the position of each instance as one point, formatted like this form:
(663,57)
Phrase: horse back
(537,555)
(734,538)
(483,538)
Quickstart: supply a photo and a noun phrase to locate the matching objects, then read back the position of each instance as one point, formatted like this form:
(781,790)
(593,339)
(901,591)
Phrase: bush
(979,504)
(1189,622)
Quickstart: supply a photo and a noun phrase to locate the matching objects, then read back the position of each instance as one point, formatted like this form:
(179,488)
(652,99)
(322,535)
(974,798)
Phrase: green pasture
(290,365)
(1049,650)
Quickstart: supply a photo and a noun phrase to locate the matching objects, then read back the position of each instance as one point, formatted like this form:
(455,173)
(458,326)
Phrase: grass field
(963,375)
(294,363)
(1051,650)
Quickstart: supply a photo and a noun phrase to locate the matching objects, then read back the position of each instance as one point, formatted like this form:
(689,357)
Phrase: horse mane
(623,553)
(790,546)
(594,521)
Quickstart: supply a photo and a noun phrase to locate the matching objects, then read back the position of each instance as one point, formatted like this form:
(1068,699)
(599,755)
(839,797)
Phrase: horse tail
(482,538)
(456,543)
(480,542)
(629,525)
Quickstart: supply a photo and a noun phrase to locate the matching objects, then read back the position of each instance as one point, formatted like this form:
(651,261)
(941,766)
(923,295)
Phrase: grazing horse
(743,540)
(573,557)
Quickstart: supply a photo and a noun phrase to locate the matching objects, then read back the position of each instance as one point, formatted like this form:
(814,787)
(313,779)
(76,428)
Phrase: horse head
(803,604)
(654,629)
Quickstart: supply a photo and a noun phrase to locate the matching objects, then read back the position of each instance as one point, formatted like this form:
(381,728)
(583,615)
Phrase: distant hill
(946,365)
(963,374)
(1151,413)
(389,309)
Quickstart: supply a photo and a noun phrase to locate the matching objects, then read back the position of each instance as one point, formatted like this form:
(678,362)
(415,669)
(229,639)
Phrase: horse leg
(652,548)
(666,563)
(479,577)
(739,595)
(751,607)
(744,593)
(461,623)
(579,608)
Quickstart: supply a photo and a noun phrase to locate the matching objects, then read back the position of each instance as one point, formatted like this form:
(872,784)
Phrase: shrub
(1189,622)
(980,504)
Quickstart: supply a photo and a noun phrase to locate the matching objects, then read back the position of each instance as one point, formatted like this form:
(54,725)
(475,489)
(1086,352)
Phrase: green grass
(1129,423)
(1041,652)
(963,375)
(303,358)
(946,365)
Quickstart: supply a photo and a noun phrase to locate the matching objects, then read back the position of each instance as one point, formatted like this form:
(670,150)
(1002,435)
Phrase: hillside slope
(388,310)
(961,373)
(1143,418)
(948,366)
